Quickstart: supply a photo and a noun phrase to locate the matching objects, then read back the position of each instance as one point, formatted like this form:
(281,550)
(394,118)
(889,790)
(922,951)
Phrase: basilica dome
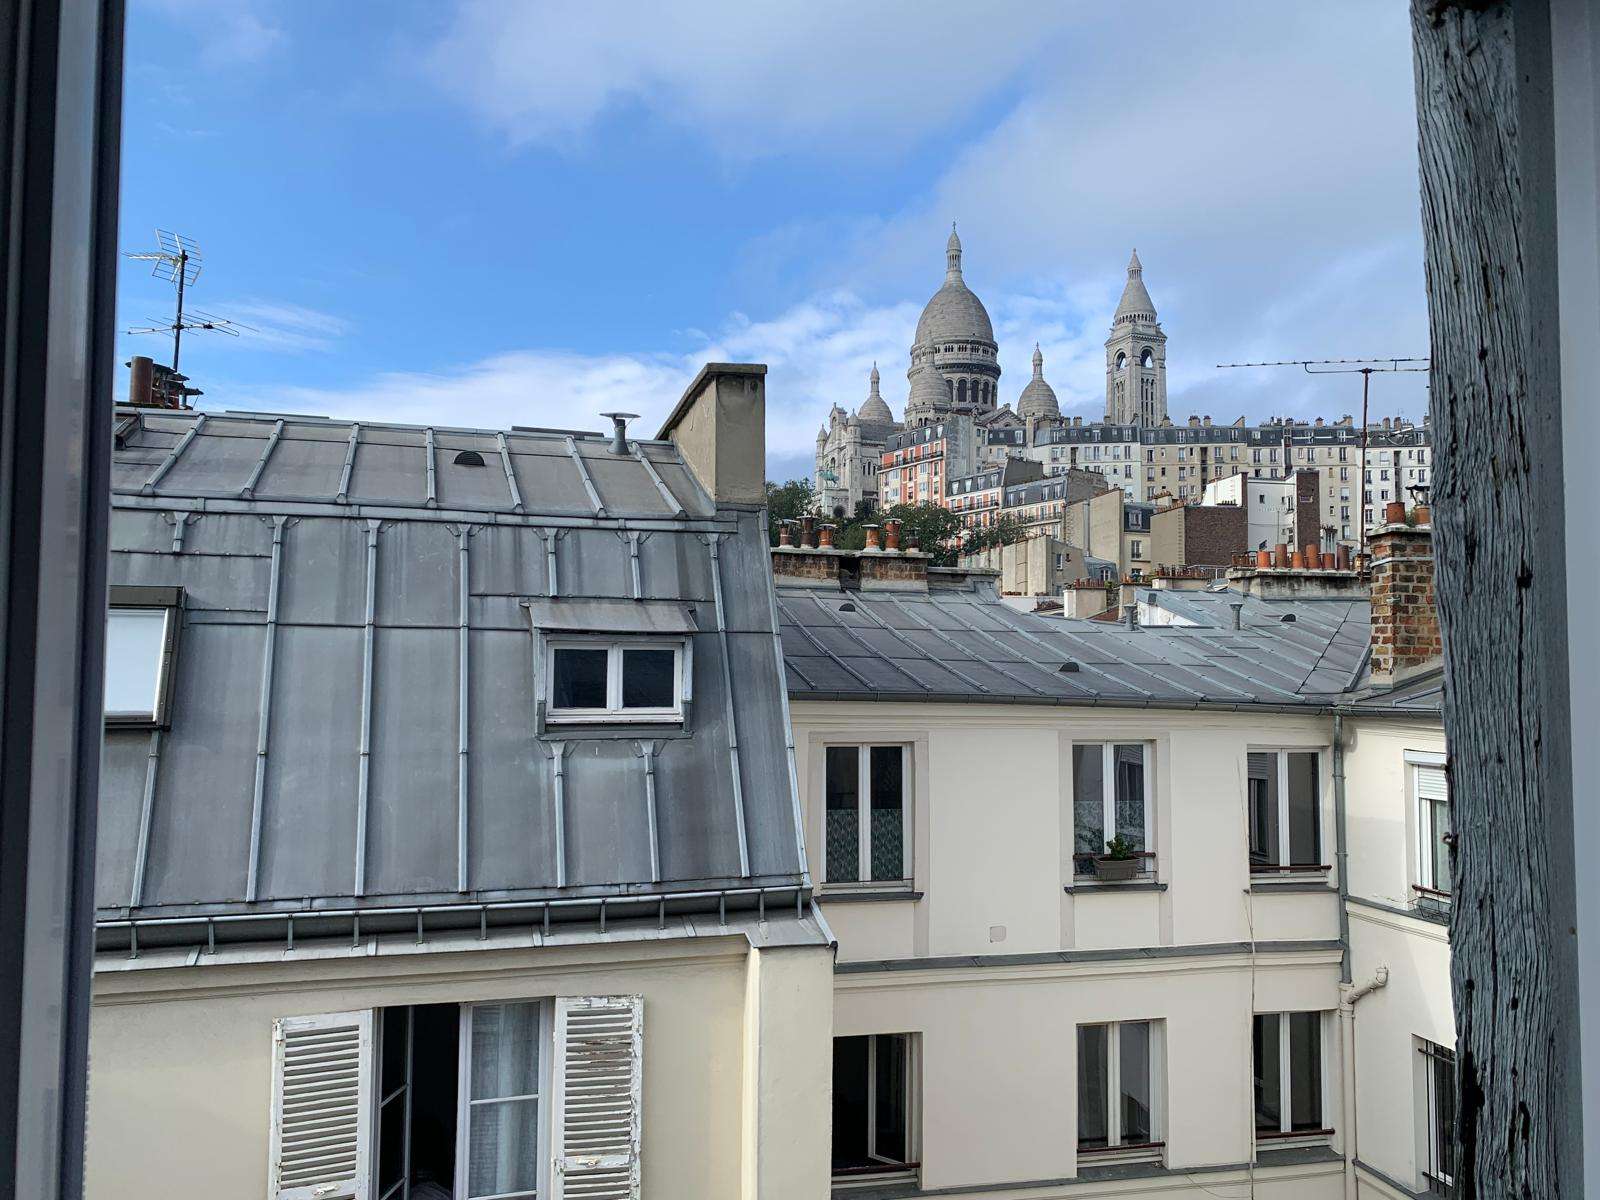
(1038,399)
(954,313)
(874,408)
(928,388)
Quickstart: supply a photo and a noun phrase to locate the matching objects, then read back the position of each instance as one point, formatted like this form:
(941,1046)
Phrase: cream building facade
(449,844)
(1201,1027)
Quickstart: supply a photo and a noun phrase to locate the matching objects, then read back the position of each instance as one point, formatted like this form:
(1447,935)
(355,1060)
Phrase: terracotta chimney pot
(825,537)
(807,532)
(1263,558)
(786,532)
(1394,512)
(891,534)
(1280,555)
(872,536)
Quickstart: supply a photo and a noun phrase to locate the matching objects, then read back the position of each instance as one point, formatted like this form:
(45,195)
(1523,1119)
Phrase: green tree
(788,502)
(930,527)
(1006,530)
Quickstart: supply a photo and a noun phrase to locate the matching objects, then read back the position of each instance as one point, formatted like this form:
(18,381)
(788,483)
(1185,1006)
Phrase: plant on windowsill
(1119,863)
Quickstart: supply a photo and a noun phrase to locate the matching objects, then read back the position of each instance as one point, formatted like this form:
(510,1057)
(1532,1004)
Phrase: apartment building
(919,463)
(449,845)
(1020,1011)
(979,498)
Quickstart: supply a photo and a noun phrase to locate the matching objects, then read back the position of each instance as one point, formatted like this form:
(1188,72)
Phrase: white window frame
(1108,800)
(1153,1150)
(864,881)
(614,712)
(1287,1136)
(542,1099)
(1426,886)
(1284,867)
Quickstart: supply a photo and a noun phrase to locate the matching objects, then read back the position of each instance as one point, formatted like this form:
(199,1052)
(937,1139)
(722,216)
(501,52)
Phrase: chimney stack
(141,381)
(1405,615)
(719,426)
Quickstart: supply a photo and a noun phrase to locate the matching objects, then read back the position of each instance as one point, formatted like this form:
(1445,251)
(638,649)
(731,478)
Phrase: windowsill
(1307,884)
(1274,877)
(845,893)
(1088,886)
(1269,1142)
(620,717)
(855,1178)
(1147,1154)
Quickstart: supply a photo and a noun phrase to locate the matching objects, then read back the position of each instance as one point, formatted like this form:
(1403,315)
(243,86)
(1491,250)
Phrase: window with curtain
(866,802)
(1110,799)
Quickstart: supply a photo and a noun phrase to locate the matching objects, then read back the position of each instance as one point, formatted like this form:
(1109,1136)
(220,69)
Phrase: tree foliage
(788,502)
(929,527)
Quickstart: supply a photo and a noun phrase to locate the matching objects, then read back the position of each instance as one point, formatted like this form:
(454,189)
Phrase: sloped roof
(959,642)
(279,528)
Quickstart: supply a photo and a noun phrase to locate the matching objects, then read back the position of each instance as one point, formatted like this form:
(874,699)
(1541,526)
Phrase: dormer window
(617,680)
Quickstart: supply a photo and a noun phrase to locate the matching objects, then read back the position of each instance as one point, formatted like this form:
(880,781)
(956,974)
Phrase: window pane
(1094,1082)
(1264,1041)
(1128,765)
(850,1085)
(1263,784)
(843,814)
(1305,843)
(503,1148)
(1439,828)
(1305,1071)
(580,678)
(1088,800)
(887,765)
(1135,1081)
(890,1080)
(505,1050)
(1442,1133)
(503,1135)
(135,639)
(649,678)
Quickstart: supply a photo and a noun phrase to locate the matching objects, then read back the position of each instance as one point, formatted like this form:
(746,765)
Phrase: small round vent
(469,458)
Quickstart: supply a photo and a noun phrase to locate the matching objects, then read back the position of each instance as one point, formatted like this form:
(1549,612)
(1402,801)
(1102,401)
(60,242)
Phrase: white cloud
(754,79)
(276,325)
(230,32)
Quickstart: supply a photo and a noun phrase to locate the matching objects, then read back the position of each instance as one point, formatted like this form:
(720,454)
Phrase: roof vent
(1287,619)
(1068,668)
(469,458)
(847,607)
(619,430)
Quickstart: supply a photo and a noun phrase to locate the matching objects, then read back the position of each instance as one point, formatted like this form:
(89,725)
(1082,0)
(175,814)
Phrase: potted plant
(1119,863)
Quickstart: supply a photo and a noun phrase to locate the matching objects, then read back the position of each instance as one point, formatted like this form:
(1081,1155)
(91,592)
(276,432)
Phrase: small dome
(954,313)
(1135,303)
(928,388)
(1038,399)
(874,408)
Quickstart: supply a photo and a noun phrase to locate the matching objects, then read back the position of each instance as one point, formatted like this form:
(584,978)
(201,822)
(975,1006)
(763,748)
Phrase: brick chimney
(1405,615)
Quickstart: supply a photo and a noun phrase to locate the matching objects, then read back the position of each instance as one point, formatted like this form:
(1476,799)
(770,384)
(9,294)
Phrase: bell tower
(1136,357)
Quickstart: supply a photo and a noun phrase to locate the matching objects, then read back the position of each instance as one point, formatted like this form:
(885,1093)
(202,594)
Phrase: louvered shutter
(599,1052)
(321,1106)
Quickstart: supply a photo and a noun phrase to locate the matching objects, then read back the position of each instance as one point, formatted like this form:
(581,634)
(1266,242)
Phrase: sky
(477,212)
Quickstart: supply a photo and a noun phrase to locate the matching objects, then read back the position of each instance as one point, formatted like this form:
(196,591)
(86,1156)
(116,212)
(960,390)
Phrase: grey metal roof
(1420,695)
(959,642)
(264,793)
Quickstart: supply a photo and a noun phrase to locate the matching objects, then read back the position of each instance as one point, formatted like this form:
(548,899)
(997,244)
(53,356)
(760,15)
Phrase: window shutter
(598,1097)
(1431,783)
(321,1106)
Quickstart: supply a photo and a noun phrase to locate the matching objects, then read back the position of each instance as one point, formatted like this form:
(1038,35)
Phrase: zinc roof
(327,750)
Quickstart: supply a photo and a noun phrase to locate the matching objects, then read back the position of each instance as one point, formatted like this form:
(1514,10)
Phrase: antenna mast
(177,260)
(1364,367)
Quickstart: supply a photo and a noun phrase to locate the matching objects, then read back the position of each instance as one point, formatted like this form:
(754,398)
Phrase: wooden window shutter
(599,1053)
(321,1106)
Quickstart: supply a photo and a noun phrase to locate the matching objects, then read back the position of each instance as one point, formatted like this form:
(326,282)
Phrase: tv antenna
(1364,367)
(177,260)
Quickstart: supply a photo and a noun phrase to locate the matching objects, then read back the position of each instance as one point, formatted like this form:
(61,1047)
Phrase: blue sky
(527,213)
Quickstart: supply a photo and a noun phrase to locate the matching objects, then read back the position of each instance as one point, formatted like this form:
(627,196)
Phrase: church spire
(875,408)
(952,255)
(1038,362)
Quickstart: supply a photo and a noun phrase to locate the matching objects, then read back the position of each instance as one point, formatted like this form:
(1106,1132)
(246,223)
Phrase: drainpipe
(1341,844)
(1348,998)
